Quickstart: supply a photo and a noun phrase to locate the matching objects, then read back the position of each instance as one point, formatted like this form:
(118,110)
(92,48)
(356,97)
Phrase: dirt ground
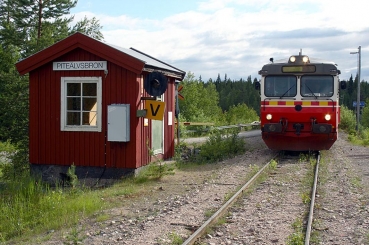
(342,215)
(176,205)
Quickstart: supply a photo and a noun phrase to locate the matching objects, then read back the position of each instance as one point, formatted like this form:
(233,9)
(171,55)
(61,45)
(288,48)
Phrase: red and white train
(299,104)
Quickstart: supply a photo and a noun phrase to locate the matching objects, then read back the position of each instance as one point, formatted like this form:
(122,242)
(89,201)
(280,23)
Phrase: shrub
(348,119)
(219,147)
(241,113)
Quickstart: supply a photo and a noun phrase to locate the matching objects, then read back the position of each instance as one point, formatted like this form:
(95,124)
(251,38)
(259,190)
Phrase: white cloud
(236,37)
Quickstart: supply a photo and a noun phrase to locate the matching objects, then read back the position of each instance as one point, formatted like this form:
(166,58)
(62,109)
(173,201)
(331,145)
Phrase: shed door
(157,136)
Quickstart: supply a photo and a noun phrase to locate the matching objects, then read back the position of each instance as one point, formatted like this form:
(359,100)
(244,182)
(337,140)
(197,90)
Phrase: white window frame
(159,150)
(63,109)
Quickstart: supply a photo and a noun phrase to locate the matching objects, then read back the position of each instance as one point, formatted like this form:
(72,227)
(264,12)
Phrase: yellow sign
(155,109)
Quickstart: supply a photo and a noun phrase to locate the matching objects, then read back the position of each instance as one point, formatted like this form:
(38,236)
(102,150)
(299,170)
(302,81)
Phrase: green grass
(360,137)
(74,237)
(175,238)
(308,180)
(6,146)
(273,164)
(296,238)
(28,207)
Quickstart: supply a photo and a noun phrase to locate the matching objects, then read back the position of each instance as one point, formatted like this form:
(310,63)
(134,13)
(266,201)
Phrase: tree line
(224,95)
(222,102)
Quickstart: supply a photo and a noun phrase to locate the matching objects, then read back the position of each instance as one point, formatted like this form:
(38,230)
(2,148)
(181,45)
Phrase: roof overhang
(84,42)
(178,76)
(132,59)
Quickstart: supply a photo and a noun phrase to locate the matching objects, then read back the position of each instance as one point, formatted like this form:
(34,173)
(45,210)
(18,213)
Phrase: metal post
(358,88)
(177,109)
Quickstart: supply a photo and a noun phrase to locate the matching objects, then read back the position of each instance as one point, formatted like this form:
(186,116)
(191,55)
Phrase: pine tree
(33,25)
(90,27)
(28,26)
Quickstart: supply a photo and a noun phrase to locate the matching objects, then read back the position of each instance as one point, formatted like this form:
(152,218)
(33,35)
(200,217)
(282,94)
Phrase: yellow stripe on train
(290,103)
(303,103)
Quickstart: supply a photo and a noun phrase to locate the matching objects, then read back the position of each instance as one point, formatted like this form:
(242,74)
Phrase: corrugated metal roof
(150,62)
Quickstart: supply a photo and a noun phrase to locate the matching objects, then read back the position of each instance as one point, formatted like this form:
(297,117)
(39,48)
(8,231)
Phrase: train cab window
(317,86)
(280,86)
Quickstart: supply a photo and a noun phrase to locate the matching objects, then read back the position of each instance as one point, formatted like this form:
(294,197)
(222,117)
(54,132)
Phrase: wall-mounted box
(118,123)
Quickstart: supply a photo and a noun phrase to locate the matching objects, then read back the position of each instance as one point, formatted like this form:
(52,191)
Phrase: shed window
(81,104)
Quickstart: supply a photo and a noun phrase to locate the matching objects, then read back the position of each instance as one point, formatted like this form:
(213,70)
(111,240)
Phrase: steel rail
(200,231)
(312,202)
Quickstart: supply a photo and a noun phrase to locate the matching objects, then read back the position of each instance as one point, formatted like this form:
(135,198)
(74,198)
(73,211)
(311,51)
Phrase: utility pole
(358,87)
(177,114)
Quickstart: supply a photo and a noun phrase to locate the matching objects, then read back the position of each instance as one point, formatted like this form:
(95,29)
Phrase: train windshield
(280,86)
(317,86)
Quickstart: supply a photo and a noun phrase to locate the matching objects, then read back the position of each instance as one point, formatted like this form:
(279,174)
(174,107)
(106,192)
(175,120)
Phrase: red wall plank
(50,145)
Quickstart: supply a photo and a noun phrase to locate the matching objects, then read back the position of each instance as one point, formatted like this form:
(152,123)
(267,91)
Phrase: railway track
(178,205)
(285,163)
(312,201)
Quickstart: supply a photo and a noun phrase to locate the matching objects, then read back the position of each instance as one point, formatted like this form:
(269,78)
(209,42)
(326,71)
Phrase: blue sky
(154,9)
(235,37)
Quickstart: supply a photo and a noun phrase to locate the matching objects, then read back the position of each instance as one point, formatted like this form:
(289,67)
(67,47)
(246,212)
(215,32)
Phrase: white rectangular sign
(79,65)
(170,118)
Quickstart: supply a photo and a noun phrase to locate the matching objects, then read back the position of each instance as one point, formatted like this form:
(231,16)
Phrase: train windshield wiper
(287,91)
(316,97)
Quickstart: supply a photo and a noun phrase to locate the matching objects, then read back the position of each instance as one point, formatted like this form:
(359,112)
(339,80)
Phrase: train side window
(280,86)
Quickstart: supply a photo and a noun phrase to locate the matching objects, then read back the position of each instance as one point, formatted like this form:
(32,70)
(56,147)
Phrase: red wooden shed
(87,100)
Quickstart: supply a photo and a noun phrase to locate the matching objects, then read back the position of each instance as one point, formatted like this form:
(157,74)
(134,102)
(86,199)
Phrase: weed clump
(219,147)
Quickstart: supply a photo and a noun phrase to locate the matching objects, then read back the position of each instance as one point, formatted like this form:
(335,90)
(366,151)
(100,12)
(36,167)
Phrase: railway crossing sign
(180,96)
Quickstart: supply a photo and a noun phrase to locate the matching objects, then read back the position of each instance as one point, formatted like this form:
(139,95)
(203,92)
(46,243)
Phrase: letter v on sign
(155,109)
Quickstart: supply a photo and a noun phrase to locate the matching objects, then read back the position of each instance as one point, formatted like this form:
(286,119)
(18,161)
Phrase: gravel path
(343,197)
(266,215)
(205,191)
(178,204)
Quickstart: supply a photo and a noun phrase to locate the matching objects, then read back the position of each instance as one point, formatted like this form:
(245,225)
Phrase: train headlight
(327,117)
(292,59)
(305,59)
(269,116)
